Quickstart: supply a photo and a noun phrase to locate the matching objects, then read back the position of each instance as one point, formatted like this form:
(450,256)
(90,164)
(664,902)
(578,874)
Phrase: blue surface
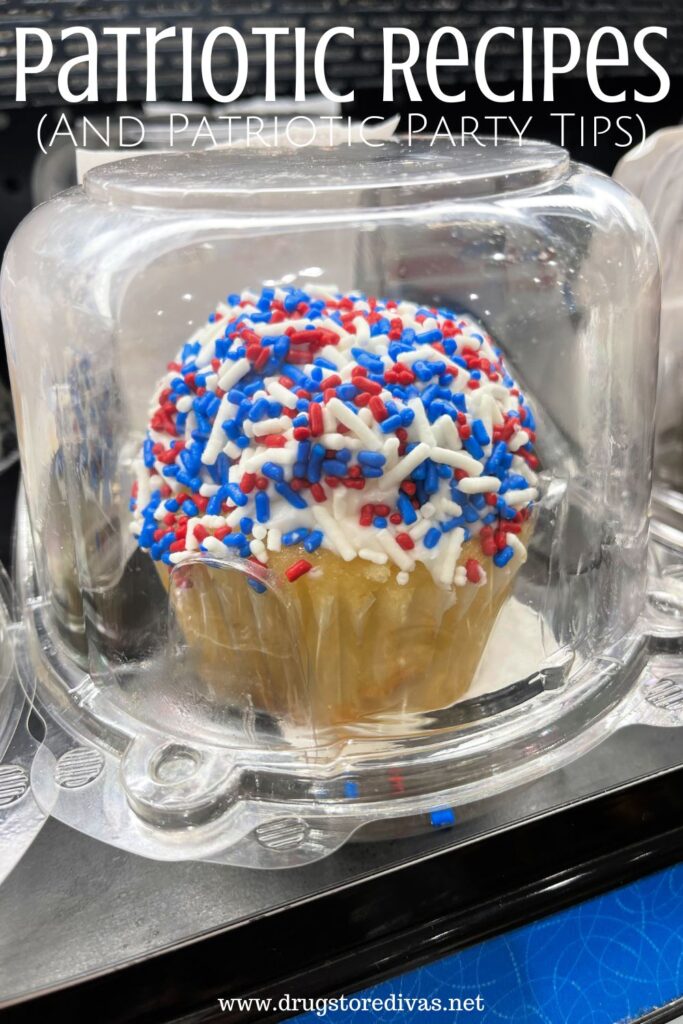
(607,960)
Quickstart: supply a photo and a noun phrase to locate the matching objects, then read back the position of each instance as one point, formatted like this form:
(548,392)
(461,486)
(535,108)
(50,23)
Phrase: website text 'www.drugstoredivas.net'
(372,1006)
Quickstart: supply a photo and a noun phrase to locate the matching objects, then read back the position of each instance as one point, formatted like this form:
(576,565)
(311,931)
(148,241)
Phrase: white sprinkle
(281,394)
(427,510)
(215,546)
(274,542)
(362,330)
(461,379)
(184,403)
(520,497)
(424,352)
(259,531)
(402,558)
(453,546)
(420,528)
(191,542)
(421,424)
(451,507)
(258,550)
(212,522)
(518,547)
(234,373)
(521,467)
(479,485)
(446,434)
(518,440)
(329,422)
(330,353)
(334,533)
(460,578)
(208,490)
(232,450)
(277,425)
(378,557)
(459,460)
(390,451)
(407,464)
(180,556)
(216,441)
(402,578)
(354,423)
(335,442)
(233,518)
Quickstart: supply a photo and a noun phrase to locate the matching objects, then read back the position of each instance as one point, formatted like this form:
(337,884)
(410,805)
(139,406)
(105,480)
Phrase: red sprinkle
(315,419)
(297,569)
(378,408)
(473,570)
(405,541)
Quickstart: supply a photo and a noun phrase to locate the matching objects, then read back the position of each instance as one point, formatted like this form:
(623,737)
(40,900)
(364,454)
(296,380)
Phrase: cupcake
(369,465)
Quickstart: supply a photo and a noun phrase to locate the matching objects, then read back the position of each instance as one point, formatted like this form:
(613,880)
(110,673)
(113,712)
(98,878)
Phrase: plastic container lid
(394,173)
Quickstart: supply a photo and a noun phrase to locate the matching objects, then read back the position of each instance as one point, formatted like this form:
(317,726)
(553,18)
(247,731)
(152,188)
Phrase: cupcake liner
(345,646)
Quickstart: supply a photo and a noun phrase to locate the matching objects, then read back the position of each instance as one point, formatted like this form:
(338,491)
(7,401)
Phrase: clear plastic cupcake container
(21,817)
(337,467)
(652,172)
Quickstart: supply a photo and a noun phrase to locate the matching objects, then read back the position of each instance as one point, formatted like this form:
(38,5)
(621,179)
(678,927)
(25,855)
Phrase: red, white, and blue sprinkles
(306,419)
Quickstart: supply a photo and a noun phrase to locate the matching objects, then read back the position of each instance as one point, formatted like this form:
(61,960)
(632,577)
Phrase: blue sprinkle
(256,585)
(371,473)
(313,541)
(451,524)
(189,508)
(473,447)
(442,817)
(315,463)
(171,505)
(390,424)
(258,409)
(295,499)
(380,522)
(351,789)
(148,454)
(422,370)
(233,492)
(431,478)
(214,505)
(503,557)
(432,537)
(406,509)
(480,432)
(262,502)
(273,471)
(295,536)
(333,467)
(246,525)
(231,428)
